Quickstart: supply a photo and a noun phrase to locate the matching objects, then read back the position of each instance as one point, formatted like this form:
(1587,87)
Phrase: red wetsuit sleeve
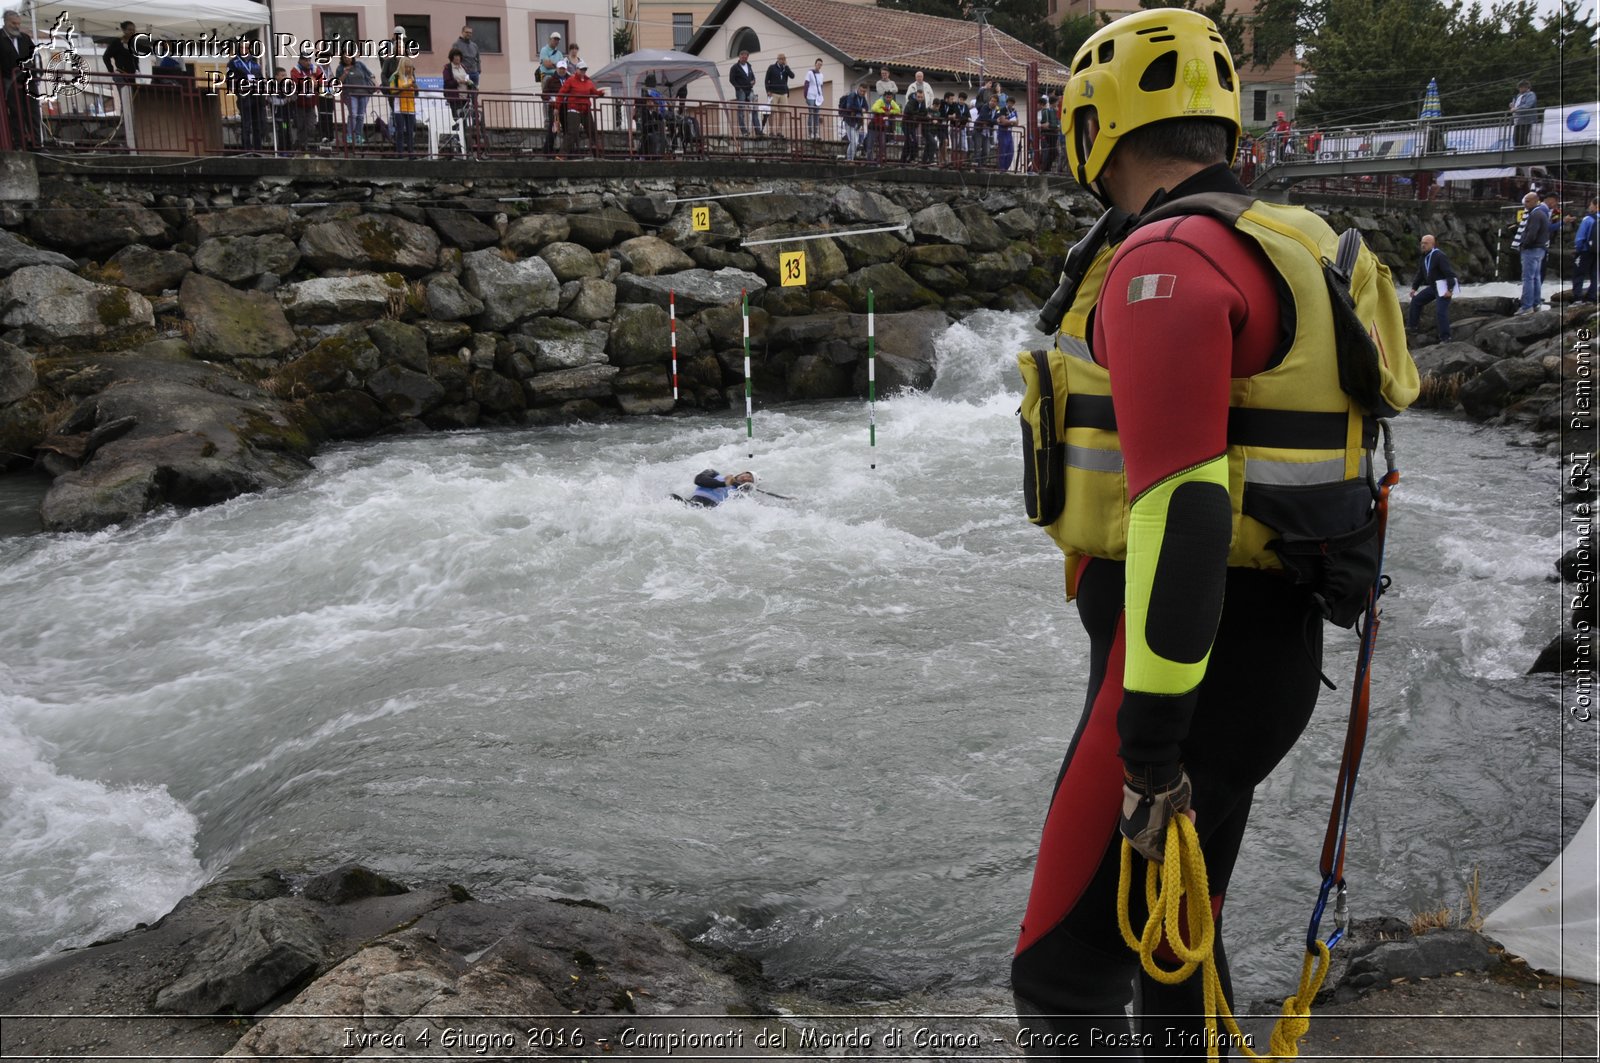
(1188,304)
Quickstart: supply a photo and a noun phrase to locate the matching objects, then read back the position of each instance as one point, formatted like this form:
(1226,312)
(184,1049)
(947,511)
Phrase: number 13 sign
(792,268)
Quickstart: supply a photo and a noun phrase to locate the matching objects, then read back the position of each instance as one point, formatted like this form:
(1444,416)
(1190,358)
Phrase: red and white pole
(672,316)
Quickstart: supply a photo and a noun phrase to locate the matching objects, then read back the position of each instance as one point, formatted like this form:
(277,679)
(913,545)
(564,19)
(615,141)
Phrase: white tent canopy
(1554,922)
(173,18)
(625,75)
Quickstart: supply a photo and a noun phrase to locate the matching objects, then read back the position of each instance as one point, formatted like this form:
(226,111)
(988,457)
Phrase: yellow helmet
(1142,69)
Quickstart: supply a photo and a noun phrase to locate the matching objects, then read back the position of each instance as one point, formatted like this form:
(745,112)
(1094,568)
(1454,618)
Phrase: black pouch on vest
(1328,541)
(1044,457)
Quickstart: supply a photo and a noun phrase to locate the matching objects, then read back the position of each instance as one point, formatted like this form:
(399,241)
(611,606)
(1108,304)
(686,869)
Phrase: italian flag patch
(1151,286)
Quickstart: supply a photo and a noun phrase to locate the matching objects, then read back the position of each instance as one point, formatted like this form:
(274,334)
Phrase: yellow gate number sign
(792,268)
(701,216)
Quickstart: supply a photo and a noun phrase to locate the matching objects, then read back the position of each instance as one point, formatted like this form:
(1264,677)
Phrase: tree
(1373,58)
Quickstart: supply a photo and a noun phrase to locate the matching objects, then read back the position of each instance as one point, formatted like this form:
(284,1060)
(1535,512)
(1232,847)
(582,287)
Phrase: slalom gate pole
(872,378)
(749,422)
(672,318)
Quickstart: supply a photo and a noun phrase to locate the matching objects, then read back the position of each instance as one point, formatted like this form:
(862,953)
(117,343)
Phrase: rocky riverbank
(351,963)
(174,350)
(1533,372)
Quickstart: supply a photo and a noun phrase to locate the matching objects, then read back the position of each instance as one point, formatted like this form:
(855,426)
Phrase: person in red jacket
(576,99)
(307,79)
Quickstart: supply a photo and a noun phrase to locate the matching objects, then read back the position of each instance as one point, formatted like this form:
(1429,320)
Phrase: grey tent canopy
(624,77)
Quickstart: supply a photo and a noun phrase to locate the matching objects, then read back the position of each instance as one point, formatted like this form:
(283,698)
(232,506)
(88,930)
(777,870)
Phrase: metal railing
(1431,142)
(179,116)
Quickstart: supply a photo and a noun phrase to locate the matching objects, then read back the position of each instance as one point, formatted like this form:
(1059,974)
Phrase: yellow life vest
(1299,447)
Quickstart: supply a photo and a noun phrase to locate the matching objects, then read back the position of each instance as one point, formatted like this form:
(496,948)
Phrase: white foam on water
(80,859)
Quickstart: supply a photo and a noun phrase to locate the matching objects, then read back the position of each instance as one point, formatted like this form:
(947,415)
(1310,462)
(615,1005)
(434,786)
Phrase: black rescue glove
(1151,796)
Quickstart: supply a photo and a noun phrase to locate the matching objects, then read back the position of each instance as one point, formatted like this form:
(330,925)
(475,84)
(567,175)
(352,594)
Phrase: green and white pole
(749,421)
(872,377)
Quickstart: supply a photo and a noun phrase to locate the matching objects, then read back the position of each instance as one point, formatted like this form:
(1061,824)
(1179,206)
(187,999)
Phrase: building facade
(509,33)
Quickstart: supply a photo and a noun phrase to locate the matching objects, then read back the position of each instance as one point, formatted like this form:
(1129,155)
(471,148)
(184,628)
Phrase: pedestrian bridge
(1474,142)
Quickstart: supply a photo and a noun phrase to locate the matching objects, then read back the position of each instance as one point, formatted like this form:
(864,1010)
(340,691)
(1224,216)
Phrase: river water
(823,731)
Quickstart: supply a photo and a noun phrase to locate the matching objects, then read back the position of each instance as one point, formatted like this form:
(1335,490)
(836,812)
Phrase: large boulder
(531,232)
(891,287)
(869,249)
(15,253)
(460,228)
(565,385)
(53,306)
(1487,394)
(239,221)
(862,206)
(337,363)
(405,392)
(80,219)
(694,289)
(337,300)
(651,255)
(380,242)
(276,945)
(447,300)
(939,222)
(242,259)
(399,343)
(726,325)
(605,228)
(17,376)
(556,343)
(146,270)
(640,334)
(994,270)
(982,233)
(570,262)
(1449,359)
(593,299)
(824,261)
(511,291)
(194,434)
(817,376)
(753,212)
(644,390)
(229,324)
(680,230)
(1512,337)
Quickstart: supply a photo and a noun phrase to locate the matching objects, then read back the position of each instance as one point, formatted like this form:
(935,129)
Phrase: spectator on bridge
(1533,243)
(1524,114)
(1278,139)
(307,80)
(549,55)
(914,117)
(885,112)
(470,57)
(852,109)
(885,83)
(551,89)
(779,74)
(814,94)
(1436,282)
(403,94)
(955,116)
(577,96)
(16,68)
(1005,121)
(1049,132)
(742,76)
(357,82)
(1584,260)
(243,75)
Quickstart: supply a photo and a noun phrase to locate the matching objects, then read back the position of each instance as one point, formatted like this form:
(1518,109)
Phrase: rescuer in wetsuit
(1202,674)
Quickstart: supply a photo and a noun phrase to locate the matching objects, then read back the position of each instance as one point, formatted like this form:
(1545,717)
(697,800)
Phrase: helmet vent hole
(1224,71)
(1083,63)
(1162,38)
(1107,50)
(1162,73)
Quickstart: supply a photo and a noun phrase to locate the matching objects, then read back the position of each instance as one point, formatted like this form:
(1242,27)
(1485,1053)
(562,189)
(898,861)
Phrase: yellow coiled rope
(1184,892)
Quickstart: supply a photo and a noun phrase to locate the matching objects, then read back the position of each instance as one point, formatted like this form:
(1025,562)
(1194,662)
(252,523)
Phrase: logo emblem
(57,68)
(1197,79)
(1088,89)
(1578,120)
